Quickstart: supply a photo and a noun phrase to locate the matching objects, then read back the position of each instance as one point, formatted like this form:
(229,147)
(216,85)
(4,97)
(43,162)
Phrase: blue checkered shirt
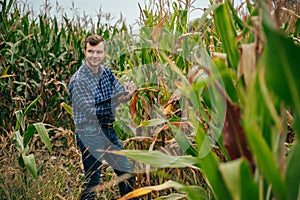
(92,95)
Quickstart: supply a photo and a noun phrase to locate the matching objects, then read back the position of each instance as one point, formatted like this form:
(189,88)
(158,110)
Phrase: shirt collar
(90,72)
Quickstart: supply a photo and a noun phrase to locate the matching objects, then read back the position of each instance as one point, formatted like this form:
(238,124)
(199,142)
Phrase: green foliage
(23,134)
(38,56)
(261,104)
(239,179)
(187,75)
(226,32)
(281,55)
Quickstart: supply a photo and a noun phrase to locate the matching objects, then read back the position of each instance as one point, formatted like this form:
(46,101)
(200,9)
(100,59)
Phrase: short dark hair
(94,40)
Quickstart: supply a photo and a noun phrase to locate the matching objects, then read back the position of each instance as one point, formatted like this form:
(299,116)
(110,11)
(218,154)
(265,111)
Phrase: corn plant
(38,56)
(23,134)
(222,87)
(260,93)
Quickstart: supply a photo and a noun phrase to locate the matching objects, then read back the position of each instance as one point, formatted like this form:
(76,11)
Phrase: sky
(128,8)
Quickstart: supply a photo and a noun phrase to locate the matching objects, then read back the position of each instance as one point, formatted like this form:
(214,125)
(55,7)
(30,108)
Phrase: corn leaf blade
(227,34)
(30,165)
(43,133)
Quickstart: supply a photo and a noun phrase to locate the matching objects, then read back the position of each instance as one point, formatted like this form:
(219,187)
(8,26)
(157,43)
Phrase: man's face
(94,55)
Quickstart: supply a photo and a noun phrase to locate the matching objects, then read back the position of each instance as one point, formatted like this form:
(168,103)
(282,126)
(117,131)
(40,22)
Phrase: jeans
(93,141)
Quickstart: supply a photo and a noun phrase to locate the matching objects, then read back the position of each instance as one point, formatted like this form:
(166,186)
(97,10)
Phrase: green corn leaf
(182,21)
(194,192)
(282,74)
(209,164)
(265,110)
(21,161)
(55,25)
(227,78)
(238,178)
(172,21)
(265,160)
(258,124)
(8,7)
(210,169)
(43,133)
(282,67)
(18,139)
(297,28)
(159,159)
(173,196)
(184,143)
(32,104)
(20,120)
(42,26)
(236,18)
(205,15)
(30,131)
(227,34)
(25,22)
(30,165)
(152,122)
(292,174)
(67,107)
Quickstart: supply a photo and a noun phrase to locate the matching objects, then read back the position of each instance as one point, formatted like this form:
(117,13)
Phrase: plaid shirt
(92,95)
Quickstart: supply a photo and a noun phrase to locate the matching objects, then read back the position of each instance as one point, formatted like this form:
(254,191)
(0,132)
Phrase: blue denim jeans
(93,141)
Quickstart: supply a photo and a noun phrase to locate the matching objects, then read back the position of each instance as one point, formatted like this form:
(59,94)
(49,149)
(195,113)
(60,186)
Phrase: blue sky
(128,8)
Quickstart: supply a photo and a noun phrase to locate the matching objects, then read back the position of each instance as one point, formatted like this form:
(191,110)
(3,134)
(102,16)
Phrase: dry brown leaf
(146,106)
(168,109)
(157,30)
(222,56)
(132,106)
(193,73)
(174,97)
(136,193)
(247,63)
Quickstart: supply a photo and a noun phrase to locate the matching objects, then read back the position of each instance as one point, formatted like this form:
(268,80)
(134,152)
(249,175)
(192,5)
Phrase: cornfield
(215,114)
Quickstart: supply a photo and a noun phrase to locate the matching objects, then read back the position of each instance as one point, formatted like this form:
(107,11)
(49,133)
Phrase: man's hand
(130,88)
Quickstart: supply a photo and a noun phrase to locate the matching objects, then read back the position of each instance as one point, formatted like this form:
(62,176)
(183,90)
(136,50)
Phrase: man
(95,92)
